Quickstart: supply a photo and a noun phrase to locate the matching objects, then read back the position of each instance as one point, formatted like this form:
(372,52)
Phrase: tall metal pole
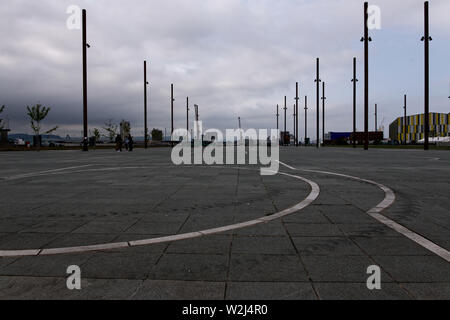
(85,118)
(426,38)
(296,112)
(187,114)
(278,117)
(354,80)
(197,128)
(171,108)
(404,121)
(293,125)
(376,118)
(306,121)
(285,109)
(366,40)
(317,102)
(145,106)
(323,113)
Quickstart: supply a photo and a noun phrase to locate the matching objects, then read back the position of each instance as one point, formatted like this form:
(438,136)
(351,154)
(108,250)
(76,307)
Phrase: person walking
(119,143)
(126,143)
(130,143)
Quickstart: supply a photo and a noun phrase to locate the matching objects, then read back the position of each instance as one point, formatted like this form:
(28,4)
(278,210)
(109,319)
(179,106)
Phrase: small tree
(1,120)
(157,135)
(37,114)
(111,130)
(96,134)
(125,128)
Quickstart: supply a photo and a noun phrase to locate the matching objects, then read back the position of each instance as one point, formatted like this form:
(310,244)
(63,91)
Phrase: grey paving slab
(165,217)
(429,291)
(263,267)
(214,244)
(270,291)
(180,290)
(44,288)
(7,261)
(264,245)
(309,215)
(374,230)
(207,267)
(326,246)
(346,214)
(386,246)
(155,227)
(313,230)
(416,268)
(119,265)
(274,228)
(15,225)
(104,289)
(25,241)
(105,226)
(26,288)
(359,291)
(340,268)
(55,226)
(44,266)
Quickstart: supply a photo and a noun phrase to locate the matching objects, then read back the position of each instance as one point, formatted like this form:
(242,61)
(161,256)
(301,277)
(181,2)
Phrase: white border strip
(313,195)
(387,202)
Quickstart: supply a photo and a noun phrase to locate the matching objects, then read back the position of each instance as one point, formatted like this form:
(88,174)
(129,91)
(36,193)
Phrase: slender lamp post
(354,80)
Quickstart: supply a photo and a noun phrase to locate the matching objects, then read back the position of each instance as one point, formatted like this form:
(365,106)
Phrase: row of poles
(366,39)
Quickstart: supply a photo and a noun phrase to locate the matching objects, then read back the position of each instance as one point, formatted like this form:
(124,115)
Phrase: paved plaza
(56,200)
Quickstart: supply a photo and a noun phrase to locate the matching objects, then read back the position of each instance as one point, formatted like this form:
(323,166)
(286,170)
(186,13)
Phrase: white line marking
(19,253)
(313,195)
(34,174)
(47,252)
(387,202)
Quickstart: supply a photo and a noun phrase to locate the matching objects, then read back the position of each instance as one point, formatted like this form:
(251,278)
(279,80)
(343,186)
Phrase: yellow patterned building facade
(415,127)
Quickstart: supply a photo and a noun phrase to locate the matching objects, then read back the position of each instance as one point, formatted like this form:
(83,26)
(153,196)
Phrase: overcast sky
(231,57)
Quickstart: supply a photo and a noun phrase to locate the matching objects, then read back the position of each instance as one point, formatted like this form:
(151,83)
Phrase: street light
(426,39)
(145,106)
(366,39)
(85,46)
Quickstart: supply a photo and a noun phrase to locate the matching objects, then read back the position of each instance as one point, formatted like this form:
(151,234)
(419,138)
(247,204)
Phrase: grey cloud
(232,57)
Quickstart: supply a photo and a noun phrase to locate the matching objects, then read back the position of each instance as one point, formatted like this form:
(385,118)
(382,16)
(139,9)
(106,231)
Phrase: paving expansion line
(34,174)
(386,203)
(313,195)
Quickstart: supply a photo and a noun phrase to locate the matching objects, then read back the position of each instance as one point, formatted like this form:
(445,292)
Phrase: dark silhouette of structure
(354,80)
(426,39)
(366,39)
(85,46)
(317,81)
(323,112)
(306,121)
(145,106)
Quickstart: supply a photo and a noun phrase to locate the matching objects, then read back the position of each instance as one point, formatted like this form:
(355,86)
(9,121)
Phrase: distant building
(415,128)
(285,138)
(374,137)
(336,138)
